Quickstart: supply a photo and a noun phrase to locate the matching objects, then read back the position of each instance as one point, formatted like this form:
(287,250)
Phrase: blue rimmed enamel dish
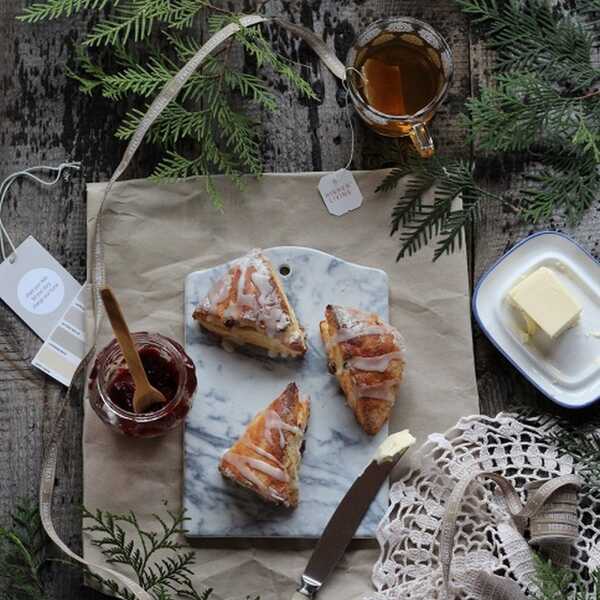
(567,370)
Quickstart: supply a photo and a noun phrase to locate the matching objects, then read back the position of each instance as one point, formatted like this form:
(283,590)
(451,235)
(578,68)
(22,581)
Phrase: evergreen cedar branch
(155,558)
(205,131)
(541,103)
(163,566)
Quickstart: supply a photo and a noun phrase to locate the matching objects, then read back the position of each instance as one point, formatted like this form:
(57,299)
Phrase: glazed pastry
(366,355)
(248,306)
(266,459)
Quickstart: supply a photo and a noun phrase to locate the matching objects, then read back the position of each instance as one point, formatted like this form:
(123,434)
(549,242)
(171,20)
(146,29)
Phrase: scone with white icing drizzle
(366,355)
(249,306)
(266,459)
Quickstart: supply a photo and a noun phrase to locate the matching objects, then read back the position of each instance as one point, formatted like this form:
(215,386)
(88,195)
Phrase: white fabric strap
(97,266)
(545,507)
(168,93)
(493,587)
(45,500)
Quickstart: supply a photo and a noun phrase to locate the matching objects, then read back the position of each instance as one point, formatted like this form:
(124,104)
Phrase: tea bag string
(5,186)
(348,115)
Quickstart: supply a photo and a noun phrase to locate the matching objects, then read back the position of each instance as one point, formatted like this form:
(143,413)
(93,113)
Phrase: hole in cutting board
(285,270)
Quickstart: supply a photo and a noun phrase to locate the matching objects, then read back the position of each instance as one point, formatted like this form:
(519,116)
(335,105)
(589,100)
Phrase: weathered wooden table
(45,119)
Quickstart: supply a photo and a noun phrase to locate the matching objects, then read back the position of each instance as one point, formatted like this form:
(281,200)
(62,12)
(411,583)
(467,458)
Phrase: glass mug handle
(421,138)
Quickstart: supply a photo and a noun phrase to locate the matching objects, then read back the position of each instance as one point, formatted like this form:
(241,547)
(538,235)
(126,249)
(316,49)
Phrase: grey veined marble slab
(233,387)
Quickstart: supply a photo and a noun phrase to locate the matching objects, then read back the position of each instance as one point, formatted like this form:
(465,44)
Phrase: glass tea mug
(423,37)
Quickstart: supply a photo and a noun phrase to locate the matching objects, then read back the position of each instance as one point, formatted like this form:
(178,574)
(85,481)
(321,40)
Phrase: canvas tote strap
(560,524)
(97,268)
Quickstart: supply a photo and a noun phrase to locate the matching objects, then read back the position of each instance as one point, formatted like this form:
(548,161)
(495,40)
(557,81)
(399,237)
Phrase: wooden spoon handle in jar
(123,335)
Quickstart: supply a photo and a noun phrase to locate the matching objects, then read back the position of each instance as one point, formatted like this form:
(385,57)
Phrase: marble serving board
(234,386)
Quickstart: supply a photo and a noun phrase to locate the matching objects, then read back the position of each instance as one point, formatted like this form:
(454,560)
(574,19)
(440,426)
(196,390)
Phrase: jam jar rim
(174,349)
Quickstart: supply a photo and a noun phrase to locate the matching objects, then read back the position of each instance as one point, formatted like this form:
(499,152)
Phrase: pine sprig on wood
(134,20)
(156,559)
(535,36)
(54,9)
(258,47)
(568,181)
(542,103)
(439,198)
(524,110)
(205,130)
(22,555)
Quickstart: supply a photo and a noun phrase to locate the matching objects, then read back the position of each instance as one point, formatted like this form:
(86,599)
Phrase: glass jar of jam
(169,369)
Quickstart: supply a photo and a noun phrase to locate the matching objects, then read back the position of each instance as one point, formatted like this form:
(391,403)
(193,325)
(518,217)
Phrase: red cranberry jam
(162,374)
(169,370)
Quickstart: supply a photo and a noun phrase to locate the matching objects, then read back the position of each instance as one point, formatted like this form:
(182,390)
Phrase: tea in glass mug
(400,72)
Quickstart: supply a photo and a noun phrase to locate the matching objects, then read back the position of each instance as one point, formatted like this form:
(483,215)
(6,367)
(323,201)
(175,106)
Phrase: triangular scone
(367,357)
(266,459)
(248,306)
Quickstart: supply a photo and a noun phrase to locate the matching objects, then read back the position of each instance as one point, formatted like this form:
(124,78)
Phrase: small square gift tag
(36,286)
(340,192)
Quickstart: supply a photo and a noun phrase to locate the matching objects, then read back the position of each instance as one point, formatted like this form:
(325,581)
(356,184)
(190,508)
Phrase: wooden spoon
(145,395)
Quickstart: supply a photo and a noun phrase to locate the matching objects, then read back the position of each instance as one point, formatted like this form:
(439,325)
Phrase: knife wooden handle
(298,596)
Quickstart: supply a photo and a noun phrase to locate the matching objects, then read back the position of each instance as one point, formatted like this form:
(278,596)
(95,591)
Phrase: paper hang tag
(340,192)
(36,286)
(65,347)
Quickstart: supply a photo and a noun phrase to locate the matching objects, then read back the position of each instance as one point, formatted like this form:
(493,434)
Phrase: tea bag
(378,96)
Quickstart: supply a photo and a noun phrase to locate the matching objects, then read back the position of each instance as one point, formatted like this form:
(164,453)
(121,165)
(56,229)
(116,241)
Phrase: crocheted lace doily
(408,567)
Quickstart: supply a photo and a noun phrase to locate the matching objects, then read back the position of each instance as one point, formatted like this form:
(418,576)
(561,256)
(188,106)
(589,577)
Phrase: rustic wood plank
(45,118)
(314,135)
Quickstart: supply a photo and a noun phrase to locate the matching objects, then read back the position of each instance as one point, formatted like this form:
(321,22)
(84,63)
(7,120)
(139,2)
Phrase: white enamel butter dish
(566,370)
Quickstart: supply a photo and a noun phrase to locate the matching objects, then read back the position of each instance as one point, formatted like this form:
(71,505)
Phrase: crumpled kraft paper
(155,234)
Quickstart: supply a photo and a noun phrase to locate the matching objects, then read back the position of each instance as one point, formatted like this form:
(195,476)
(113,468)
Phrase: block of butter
(545,303)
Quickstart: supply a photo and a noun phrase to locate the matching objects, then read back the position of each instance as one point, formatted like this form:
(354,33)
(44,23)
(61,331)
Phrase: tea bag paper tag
(36,286)
(340,192)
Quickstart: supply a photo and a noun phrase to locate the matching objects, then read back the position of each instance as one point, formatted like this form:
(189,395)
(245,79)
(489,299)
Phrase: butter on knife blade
(350,512)
(394,445)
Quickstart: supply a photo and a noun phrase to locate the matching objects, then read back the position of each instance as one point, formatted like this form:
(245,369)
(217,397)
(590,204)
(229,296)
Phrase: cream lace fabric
(486,539)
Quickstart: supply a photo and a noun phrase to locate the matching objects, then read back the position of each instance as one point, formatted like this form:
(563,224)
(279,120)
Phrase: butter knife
(348,515)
